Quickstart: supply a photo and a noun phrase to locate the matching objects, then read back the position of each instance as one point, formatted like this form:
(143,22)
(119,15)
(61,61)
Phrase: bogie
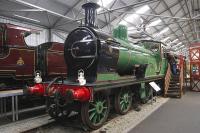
(56,109)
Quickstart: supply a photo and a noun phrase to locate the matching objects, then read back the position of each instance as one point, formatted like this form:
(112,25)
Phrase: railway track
(69,125)
(72,124)
(115,123)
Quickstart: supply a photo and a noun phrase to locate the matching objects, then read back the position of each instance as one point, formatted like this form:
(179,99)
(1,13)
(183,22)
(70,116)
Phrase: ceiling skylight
(135,17)
(130,18)
(163,31)
(103,3)
(143,9)
(123,22)
(154,23)
(132,28)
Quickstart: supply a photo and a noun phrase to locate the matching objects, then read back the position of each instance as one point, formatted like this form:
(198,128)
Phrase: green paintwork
(121,33)
(131,55)
(107,76)
(123,81)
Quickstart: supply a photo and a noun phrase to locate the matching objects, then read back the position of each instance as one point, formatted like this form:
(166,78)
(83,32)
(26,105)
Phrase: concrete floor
(175,116)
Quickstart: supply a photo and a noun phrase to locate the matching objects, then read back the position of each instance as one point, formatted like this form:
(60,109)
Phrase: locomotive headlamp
(38,78)
(81,78)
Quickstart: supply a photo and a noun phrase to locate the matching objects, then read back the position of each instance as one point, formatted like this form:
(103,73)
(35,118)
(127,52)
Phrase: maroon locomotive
(19,61)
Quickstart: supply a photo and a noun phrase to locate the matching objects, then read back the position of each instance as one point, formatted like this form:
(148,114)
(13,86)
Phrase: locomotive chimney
(90,13)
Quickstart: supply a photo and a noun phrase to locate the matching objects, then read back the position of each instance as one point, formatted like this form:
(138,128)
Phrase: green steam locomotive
(102,71)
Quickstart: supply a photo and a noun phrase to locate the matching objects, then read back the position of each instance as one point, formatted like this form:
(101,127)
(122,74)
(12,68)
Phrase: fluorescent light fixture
(21,28)
(103,3)
(26,18)
(143,9)
(163,31)
(179,43)
(141,20)
(174,41)
(154,23)
(165,39)
(181,46)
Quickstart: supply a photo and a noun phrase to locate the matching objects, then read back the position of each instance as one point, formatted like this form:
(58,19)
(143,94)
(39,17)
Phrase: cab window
(154,46)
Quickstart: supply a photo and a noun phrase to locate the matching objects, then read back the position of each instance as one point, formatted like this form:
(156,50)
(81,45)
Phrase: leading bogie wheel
(94,114)
(123,100)
(58,113)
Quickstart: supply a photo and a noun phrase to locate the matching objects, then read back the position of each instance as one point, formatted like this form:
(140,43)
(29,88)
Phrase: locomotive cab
(156,48)
(153,46)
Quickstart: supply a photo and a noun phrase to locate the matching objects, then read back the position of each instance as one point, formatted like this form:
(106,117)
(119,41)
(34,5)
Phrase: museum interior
(99,66)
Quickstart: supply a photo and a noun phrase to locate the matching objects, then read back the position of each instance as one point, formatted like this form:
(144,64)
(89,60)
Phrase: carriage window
(4,50)
(32,39)
(1,40)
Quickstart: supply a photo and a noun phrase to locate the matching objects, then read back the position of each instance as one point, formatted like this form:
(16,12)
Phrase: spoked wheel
(123,100)
(94,114)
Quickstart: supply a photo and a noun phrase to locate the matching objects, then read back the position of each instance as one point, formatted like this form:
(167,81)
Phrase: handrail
(167,79)
(181,79)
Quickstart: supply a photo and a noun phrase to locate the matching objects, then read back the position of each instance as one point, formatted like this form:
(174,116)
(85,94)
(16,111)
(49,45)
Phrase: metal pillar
(195,67)
(16,107)
(13,108)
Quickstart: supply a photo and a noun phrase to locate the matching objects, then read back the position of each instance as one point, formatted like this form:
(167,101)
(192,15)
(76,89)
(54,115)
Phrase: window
(151,45)
(1,40)
(3,48)
(32,39)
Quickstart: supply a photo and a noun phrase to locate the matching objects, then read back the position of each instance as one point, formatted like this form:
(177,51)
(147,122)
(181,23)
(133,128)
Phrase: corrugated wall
(58,36)
(42,35)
